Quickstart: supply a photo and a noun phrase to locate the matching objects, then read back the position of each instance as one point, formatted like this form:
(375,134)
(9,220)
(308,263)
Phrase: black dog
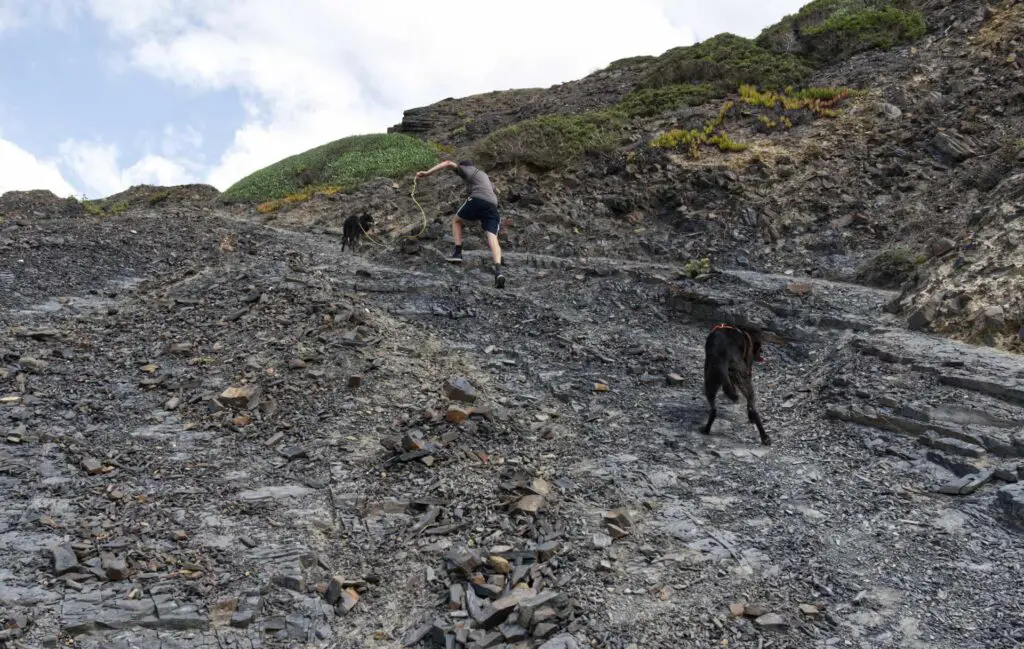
(729,355)
(354,228)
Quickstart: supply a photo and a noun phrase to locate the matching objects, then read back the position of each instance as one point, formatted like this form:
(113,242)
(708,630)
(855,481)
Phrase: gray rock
(957,447)
(771,621)
(174,616)
(967,484)
(242,619)
(1008,473)
(334,589)
(115,566)
(64,559)
(952,147)
(940,246)
(458,388)
(291,581)
(1011,500)
(957,466)
(274,493)
(890,111)
(528,607)
(83,612)
(991,319)
(920,319)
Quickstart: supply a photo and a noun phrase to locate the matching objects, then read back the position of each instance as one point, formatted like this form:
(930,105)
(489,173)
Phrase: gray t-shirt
(478,184)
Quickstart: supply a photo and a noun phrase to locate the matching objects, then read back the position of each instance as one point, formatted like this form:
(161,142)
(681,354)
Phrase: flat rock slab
(275,493)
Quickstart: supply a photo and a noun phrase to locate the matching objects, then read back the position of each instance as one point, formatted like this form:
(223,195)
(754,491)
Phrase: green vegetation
(825,31)
(713,134)
(648,102)
(340,165)
(726,61)
(889,269)
(103,207)
(159,197)
(697,267)
(551,141)
(629,62)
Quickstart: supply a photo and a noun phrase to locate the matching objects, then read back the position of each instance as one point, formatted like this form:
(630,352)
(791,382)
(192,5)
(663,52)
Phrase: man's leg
(492,243)
(457,236)
(491,226)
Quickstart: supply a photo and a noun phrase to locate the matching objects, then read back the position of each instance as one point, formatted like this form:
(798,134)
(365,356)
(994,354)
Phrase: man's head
(465,163)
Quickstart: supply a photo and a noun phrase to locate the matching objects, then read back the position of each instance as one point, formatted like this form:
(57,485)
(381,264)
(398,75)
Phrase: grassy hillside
(738,82)
(337,166)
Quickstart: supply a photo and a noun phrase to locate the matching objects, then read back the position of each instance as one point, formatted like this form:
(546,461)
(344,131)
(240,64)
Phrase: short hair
(465,163)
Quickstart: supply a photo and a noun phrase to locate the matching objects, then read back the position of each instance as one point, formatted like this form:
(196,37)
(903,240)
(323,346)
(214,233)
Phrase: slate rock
(1010,500)
(957,447)
(458,388)
(64,559)
(771,621)
(114,566)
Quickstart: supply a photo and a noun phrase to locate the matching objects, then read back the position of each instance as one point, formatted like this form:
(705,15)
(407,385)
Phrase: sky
(100,95)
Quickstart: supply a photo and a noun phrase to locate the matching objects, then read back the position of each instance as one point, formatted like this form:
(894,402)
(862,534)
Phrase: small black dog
(354,228)
(730,352)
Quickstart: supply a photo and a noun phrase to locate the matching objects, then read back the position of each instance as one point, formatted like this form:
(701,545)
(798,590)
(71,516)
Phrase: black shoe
(456,257)
(499,280)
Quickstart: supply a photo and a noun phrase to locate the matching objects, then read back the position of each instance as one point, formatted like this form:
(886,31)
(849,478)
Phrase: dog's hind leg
(753,416)
(710,391)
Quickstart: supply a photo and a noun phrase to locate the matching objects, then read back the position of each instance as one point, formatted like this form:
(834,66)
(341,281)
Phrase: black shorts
(476,209)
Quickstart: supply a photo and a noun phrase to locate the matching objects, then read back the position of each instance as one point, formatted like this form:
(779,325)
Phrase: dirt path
(179,519)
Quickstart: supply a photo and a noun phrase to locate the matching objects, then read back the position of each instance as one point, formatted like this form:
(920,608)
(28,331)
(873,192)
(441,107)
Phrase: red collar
(722,325)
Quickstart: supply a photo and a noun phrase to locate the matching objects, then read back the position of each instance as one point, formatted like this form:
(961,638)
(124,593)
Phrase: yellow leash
(423,212)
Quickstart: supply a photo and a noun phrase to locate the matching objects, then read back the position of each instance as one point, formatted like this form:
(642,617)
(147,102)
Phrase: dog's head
(366,221)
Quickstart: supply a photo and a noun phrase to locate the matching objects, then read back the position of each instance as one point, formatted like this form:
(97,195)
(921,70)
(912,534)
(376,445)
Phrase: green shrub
(551,141)
(344,164)
(826,31)
(726,61)
(889,269)
(648,102)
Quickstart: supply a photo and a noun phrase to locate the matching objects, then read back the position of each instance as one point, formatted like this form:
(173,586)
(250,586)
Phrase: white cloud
(20,170)
(310,71)
(96,165)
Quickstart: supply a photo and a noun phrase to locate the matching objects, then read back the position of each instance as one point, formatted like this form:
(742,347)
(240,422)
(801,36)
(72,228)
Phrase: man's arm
(445,164)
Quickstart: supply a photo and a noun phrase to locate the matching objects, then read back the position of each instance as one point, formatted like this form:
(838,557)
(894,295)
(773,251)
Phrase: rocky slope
(222,433)
(217,429)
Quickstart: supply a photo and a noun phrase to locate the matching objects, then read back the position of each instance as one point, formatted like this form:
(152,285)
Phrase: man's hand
(421,174)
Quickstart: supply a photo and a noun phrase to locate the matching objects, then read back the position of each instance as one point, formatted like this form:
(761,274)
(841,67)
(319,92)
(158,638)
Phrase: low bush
(551,141)
(826,31)
(343,164)
(648,102)
(724,62)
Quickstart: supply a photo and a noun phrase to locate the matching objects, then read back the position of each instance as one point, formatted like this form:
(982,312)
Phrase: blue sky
(98,95)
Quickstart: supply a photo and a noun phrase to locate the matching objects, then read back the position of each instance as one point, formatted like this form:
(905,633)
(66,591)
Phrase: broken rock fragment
(64,559)
(458,388)
(241,398)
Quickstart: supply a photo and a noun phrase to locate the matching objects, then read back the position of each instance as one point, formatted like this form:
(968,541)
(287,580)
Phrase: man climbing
(481,205)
